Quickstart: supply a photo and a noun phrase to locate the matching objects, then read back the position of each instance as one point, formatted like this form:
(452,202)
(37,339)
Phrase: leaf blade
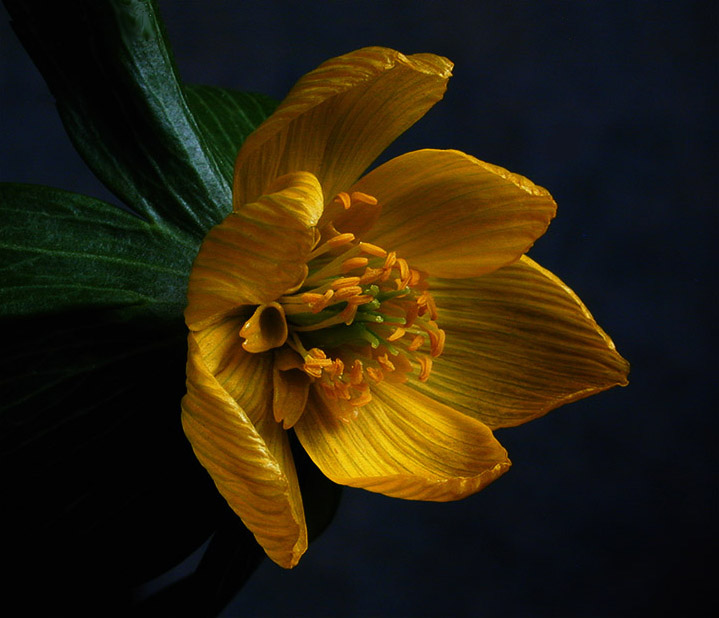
(61,251)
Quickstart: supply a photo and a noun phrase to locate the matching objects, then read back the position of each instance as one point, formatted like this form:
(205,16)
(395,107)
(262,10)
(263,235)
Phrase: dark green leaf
(226,118)
(61,251)
(112,74)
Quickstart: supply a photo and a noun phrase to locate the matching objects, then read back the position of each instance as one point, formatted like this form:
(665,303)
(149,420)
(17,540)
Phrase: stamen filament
(332,267)
(364,314)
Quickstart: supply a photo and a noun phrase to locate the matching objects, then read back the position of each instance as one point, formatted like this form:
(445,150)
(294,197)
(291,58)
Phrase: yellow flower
(393,321)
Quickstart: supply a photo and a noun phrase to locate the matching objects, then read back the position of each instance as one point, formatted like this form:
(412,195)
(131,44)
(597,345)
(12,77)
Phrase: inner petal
(266,329)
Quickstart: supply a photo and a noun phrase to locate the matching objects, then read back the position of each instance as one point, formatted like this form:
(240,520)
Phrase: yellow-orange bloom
(392,320)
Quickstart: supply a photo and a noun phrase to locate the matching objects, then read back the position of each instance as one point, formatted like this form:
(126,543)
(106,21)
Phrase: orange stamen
(375,374)
(371,249)
(352,263)
(356,372)
(385,362)
(416,343)
(425,367)
(345,292)
(342,282)
(397,334)
(358,196)
(344,199)
(341,239)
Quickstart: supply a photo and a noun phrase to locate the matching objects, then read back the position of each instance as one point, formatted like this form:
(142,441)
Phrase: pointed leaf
(112,74)
(61,251)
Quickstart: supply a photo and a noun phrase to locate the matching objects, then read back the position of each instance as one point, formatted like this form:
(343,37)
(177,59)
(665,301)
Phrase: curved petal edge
(404,445)
(519,343)
(242,465)
(338,118)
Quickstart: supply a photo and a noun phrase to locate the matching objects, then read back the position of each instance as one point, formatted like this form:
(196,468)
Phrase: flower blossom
(391,320)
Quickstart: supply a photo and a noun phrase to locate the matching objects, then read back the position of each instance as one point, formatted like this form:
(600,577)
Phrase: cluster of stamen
(361,316)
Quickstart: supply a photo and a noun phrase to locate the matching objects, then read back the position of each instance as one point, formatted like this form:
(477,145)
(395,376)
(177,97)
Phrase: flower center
(362,315)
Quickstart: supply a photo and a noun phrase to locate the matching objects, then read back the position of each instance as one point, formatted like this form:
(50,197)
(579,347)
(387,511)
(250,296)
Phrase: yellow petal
(519,344)
(338,118)
(452,215)
(266,329)
(291,387)
(404,445)
(227,418)
(256,253)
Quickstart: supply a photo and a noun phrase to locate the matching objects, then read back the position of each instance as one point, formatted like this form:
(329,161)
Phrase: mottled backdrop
(610,507)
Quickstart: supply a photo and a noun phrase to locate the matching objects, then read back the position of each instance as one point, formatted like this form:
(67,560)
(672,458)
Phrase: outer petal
(256,253)
(404,445)
(452,215)
(227,416)
(339,118)
(519,344)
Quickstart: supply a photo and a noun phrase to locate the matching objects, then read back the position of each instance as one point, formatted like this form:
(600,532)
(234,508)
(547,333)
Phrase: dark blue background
(610,507)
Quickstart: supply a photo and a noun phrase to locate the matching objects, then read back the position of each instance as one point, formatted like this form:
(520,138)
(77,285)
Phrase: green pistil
(383,296)
(394,320)
(360,331)
(339,335)
(308,318)
(372,305)
(369,316)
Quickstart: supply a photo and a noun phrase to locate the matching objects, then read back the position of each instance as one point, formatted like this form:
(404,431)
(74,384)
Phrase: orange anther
(315,372)
(375,374)
(410,315)
(371,275)
(432,306)
(311,298)
(425,367)
(371,249)
(358,196)
(349,312)
(316,353)
(341,239)
(318,304)
(356,372)
(416,343)
(344,199)
(439,348)
(342,282)
(345,292)
(397,334)
(436,339)
(385,362)
(403,268)
(352,263)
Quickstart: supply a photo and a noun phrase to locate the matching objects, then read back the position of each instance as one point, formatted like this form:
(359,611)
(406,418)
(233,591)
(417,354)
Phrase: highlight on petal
(519,343)
(338,118)
(402,444)
(227,417)
(452,215)
(257,253)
